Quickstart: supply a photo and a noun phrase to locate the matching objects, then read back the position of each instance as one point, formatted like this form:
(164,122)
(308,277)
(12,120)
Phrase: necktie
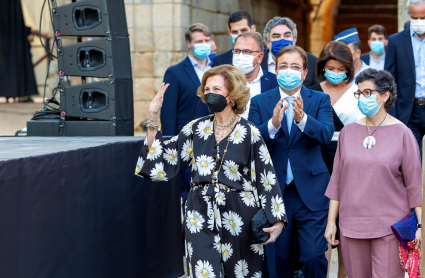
(289,119)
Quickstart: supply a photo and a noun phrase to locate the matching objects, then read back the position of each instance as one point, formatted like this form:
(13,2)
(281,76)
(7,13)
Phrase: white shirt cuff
(301,125)
(272,129)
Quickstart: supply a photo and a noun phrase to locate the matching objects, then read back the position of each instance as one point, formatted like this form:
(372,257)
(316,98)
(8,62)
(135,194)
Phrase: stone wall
(402,14)
(157,36)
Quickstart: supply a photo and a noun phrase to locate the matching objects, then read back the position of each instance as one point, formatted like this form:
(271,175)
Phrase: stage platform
(72,207)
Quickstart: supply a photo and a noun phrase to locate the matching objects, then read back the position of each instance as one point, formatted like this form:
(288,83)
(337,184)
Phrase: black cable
(39,28)
(48,111)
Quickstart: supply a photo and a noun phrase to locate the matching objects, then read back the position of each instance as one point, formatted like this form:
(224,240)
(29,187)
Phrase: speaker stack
(100,108)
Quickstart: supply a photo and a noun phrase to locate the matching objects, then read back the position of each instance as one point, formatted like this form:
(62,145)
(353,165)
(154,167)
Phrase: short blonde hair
(235,83)
(196,27)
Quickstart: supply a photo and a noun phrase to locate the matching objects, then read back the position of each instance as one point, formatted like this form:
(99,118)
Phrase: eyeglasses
(244,52)
(365,93)
(292,67)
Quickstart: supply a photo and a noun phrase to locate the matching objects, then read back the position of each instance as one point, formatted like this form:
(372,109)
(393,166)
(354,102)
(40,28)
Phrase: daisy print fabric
(217,219)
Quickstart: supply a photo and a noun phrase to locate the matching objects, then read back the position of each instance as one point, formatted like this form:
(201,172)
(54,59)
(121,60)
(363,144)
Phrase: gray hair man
(405,60)
(278,33)
(247,57)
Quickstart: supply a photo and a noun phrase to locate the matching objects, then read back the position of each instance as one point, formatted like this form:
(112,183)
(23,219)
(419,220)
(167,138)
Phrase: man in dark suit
(248,53)
(184,79)
(295,122)
(278,33)
(378,40)
(405,60)
(238,22)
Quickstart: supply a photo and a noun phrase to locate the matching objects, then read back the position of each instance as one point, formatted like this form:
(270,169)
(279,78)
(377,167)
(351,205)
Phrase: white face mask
(244,63)
(418,25)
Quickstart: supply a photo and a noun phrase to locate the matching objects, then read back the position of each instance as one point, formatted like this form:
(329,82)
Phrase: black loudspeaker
(101,108)
(91,18)
(105,57)
(80,128)
(103,100)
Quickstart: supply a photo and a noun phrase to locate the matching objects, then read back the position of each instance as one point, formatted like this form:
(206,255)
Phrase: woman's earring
(233,104)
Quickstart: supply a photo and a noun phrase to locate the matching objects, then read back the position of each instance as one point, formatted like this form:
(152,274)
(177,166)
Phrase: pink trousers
(371,258)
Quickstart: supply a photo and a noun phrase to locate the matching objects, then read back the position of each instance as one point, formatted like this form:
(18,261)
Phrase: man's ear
(305,71)
(229,32)
(386,43)
(188,45)
(368,42)
(260,57)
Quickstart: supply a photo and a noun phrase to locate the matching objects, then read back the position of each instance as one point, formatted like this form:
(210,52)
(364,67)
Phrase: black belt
(419,101)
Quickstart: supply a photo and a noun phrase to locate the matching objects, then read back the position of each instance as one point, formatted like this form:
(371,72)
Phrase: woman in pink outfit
(376,181)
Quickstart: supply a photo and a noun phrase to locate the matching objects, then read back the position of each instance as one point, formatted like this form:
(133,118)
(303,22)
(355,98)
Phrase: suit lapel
(188,67)
(265,83)
(409,50)
(264,64)
(274,99)
(306,96)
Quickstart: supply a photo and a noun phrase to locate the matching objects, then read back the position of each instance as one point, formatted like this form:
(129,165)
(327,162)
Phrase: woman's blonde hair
(235,83)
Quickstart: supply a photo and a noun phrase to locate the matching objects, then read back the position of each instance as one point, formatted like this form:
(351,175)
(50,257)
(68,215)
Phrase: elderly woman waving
(232,178)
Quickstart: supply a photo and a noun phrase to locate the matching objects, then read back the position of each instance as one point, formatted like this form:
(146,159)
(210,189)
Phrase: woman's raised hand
(156,103)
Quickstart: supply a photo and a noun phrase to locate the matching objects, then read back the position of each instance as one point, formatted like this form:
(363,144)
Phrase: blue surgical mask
(202,50)
(234,38)
(212,56)
(377,47)
(335,77)
(368,105)
(278,45)
(289,79)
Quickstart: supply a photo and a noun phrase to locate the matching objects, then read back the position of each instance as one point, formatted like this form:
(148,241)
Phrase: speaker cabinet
(105,57)
(80,128)
(91,18)
(101,100)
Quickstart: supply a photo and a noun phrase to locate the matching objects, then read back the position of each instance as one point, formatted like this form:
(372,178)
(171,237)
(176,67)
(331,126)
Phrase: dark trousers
(309,228)
(417,123)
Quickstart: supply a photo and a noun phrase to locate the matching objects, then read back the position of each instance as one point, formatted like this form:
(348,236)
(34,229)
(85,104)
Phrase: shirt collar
(194,63)
(284,95)
(259,75)
(270,60)
(412,33)
(379,59)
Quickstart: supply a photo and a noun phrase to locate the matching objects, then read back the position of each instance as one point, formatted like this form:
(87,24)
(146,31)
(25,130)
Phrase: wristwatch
(419,226)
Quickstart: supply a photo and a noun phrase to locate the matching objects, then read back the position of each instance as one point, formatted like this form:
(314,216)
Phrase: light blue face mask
(368,105)
(377,47)
(234,38)
(335,77)
(289,79)
(202,50)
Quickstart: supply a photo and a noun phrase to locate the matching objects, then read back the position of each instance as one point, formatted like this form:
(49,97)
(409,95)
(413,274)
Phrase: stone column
(402,14)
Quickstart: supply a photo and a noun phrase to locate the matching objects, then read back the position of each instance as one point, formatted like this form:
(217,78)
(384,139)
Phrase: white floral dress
(217,223)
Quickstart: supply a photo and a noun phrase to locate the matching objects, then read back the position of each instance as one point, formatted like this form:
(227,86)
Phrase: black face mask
(215,102)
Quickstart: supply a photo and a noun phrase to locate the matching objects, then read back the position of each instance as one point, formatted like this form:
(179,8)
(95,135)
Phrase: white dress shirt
(301,125)
(254,89)
(418,46)
(377,64)
(271,64)
(364,67)
(199,71)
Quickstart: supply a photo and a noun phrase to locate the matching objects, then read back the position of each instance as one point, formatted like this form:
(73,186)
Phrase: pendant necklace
(370,141)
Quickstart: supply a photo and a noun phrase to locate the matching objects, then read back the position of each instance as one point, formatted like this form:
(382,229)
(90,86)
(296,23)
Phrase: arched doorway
(329,17)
